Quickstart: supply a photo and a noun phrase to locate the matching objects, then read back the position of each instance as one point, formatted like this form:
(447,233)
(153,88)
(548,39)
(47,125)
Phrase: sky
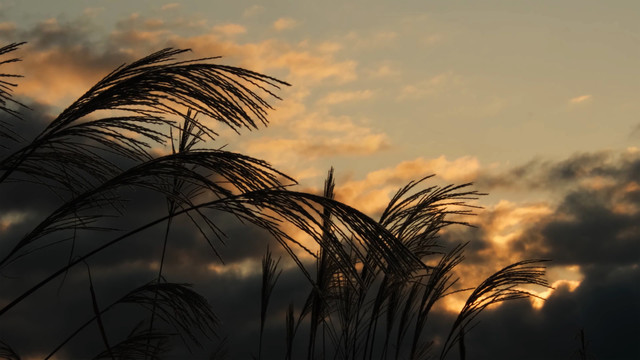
(536,103)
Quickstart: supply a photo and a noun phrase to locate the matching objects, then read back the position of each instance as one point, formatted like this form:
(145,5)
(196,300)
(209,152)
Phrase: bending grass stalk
(408,299)
(270,275)
(149,88)
(244,173)
(7,352)
(282,200)
(133,347)
(188,139)
(97,314)
(6,89)
(178,306)
(497,288)
(290,329)
(324,274)
(159,277)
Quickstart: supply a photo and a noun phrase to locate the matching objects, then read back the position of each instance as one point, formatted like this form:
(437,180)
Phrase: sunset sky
(535,102)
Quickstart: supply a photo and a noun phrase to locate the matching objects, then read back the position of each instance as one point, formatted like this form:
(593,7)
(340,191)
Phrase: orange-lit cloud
(432,86)
(11,218)
(580,99)
(507,221)
(7,28)
(338,97)
(318,136)
(170,6)
(559,276)
(242,269)
(284,24)
(373,193)
(57,77)
(230,29)
(302,63)
(65,64)
(384,70)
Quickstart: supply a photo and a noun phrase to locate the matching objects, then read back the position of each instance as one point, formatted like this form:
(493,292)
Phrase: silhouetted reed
(371,278)
(354,309)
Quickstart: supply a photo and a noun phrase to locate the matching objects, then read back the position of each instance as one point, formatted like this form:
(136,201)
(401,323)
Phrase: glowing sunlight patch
(12,218)
(538,303)
(242,269)
(509,220)
(569,276)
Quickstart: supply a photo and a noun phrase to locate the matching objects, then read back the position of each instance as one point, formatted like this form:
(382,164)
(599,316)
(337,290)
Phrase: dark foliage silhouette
(372,279)
(352,311)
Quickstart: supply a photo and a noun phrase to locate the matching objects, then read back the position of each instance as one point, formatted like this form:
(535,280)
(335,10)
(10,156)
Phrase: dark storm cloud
(125,266)
(51,33)
(594,219)
(594,227)
(590,225)
(68,39)
(60,307)
(594,233)
(605,306)
(73,40)
(554,175)
(63,305)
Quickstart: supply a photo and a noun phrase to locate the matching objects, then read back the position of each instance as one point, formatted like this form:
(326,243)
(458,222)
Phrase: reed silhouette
(372,279)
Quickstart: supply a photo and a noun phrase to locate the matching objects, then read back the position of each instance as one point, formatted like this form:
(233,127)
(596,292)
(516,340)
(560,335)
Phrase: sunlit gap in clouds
(569,277)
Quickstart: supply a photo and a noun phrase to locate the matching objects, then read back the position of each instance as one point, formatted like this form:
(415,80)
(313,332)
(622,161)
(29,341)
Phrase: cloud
(590,169)
(338,97)
(383,71)
(170,6)
(60,63)
(230,29)
(594,271)
(590,218)
(370,41)
(304,63)
(601,306)
(7,29)
(373,193)
(430,87)
(580,99)
(317,136)
(284,24)
(588,227)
